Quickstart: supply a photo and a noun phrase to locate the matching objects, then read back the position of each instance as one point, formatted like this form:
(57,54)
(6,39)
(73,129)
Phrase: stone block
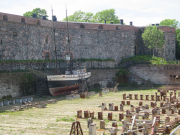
(6,102)
(12,101)
(19,100)
(30,98)
(1,103)
(24,99)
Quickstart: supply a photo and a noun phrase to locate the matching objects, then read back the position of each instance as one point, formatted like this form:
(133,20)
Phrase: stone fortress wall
(25,38)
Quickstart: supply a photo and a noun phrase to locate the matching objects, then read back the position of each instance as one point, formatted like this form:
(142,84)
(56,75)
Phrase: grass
(65,119)
(148,59)
(58,118)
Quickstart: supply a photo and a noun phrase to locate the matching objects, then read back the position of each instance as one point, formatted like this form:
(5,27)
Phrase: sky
(140,12)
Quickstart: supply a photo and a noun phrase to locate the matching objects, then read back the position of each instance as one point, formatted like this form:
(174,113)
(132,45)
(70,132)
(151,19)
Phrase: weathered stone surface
(84,43)
(156,74)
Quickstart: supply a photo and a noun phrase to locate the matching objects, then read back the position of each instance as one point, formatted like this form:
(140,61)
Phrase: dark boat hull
(63,90)
(63,87)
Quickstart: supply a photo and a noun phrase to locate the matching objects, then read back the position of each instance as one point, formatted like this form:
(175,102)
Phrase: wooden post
(141,96)
(152,97)
(86,114)
(130,96)
(124,96)
(179,111)
(121,116)
(111,106)
(140,103)
(132,108)
(163,111)
(123,102)
(164,98)
(128,102)
(79,114)
(168,129)
(102,124)
(92,115)
(116,108)
(110,116)
(156,96)
(161,104)
(136,96)
(121,107)
(100,115)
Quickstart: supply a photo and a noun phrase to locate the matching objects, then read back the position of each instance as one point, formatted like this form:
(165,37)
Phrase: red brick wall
(75,25)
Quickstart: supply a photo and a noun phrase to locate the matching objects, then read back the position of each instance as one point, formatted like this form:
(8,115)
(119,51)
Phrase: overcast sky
(140,12)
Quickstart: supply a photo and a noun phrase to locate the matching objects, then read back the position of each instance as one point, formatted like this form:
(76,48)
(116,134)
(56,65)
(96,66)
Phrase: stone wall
(166,74)
(167,51)
(10,84)
(103,76)
(29,42)
(49,65)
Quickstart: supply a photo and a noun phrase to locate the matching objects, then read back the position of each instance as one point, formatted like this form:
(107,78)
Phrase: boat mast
(68,42)
(54,40)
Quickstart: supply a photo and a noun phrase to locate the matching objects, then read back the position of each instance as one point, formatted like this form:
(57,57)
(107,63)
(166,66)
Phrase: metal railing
(175,131)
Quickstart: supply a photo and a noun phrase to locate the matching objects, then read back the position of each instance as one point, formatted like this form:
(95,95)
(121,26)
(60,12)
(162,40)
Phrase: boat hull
(61,84)
(63,90)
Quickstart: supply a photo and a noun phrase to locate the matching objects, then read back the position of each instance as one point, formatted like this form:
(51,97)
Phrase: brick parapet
(76,25)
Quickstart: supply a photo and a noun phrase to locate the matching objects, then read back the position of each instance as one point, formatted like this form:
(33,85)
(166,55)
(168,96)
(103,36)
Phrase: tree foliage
(80,16)
(108,15)
(153,37)
(99,17)
(169,22)
(39,12)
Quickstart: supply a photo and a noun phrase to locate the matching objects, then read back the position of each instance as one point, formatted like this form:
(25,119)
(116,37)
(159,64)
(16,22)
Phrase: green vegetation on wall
(121,76)
(84,60)
(148,59)
(27,85)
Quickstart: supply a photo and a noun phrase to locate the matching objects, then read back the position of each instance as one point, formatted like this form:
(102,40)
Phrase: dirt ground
(56,119)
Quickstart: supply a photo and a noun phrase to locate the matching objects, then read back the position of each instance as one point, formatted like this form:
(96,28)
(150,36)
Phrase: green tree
(80,16)
(169,22)
(153,37)
(39,12)
(108,15)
